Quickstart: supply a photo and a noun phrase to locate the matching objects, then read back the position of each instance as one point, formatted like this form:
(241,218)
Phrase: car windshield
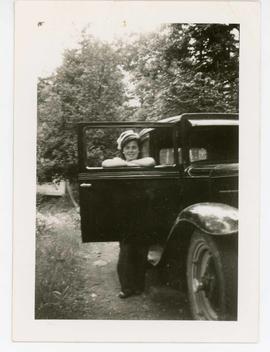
(213,143)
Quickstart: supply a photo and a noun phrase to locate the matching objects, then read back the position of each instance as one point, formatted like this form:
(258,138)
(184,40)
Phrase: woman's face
(131,150)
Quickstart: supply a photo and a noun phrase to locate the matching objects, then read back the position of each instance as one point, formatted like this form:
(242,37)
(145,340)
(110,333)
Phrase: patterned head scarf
(125,137)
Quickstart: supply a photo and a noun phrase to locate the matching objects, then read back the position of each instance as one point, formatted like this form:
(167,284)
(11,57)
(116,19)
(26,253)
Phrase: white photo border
(25,327)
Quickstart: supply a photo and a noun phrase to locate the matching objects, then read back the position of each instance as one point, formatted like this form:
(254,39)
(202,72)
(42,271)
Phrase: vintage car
(187,203)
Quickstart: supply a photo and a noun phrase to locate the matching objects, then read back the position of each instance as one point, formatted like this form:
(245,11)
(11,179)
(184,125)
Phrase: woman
(133,250)
(129,145)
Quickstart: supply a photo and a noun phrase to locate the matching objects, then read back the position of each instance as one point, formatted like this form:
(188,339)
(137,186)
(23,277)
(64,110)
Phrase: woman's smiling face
(131,150)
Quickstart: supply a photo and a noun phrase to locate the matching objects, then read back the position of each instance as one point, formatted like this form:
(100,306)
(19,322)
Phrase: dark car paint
(115,200)
(147,202)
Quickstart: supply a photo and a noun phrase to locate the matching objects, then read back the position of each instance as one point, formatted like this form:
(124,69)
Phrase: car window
(213,143)
(197,154)
(166,156)
(101,144)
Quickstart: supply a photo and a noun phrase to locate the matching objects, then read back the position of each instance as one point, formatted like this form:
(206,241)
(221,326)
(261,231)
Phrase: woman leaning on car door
(132,259)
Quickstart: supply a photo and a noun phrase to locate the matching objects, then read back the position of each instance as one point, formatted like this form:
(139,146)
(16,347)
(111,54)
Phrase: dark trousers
(131,266)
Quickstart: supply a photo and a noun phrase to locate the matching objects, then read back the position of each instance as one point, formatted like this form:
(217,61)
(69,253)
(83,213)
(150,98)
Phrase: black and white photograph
(136,167)
(156,204)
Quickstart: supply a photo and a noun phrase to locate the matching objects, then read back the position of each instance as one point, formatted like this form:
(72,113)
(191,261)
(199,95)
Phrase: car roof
(199,119)
(149,125)
(201,116)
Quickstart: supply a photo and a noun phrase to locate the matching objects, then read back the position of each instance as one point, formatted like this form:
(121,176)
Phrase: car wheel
(212,277)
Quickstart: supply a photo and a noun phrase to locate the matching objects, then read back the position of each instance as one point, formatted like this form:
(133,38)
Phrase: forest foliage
(180,68)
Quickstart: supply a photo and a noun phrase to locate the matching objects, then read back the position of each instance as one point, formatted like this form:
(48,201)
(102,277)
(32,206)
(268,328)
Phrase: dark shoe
(125,294)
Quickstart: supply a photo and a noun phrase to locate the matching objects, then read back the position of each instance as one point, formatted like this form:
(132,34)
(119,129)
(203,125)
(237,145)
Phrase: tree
(180,68)
(185,68)
(87,87)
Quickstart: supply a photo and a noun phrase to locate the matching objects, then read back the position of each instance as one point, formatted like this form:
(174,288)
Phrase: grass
(58,280)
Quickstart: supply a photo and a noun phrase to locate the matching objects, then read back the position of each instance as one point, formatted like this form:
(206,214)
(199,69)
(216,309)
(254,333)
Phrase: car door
(135,202)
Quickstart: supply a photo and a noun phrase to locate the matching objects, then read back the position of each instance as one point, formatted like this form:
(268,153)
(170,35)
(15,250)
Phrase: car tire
(212,276)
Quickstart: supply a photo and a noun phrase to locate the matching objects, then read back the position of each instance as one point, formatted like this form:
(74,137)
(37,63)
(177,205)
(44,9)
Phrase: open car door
(126,201)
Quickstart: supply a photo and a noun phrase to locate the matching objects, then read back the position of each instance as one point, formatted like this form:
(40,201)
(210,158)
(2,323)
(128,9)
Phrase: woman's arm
(144,162)
(118,162)
(115,162)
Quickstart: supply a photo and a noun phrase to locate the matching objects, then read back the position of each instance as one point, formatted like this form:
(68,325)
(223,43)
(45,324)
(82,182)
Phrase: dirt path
(83,282)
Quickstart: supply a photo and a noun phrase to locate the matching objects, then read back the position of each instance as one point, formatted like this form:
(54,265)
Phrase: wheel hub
(206,284)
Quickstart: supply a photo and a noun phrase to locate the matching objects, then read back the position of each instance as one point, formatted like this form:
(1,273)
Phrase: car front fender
(211,218)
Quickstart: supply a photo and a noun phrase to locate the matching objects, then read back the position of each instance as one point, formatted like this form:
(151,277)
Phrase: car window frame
(82,153)
(187,127)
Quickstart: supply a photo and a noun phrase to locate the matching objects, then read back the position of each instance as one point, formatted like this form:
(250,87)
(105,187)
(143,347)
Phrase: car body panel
(147,202)
(120,202)
(211,218)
